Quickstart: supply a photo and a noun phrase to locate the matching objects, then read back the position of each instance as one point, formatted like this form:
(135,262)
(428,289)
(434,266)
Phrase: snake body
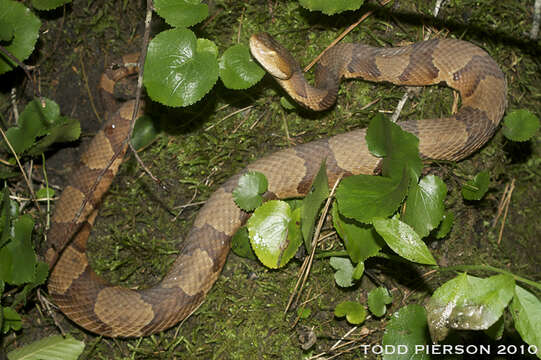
(116,311)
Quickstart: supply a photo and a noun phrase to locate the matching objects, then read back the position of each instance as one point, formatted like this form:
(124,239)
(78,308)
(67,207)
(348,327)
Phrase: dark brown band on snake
(116,311)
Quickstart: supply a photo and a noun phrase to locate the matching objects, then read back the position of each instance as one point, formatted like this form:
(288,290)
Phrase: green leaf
(6,31)
(520,125)
(24,27)
(361,241)
(358,271)
(33,122)
(406,330)
(424,205)
(399,148)
(240,244)
(237,68)
(17,257)
(354,312)
(304,313)
(331,7)
(344,271)
(468,303)
(312,203)
(275,233)
(178,72)
(181,13)
(48,4)
(403,240)
(445,225)
(365,197)
(475,189)
(49,348)
(377,301)
(287,104)
(66,129)
(11,320)
(6,216)
(526,311)
(145,132)
(45,193)
(251,186)
(42,271)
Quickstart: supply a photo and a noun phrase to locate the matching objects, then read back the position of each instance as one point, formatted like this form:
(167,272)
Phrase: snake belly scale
(116,311)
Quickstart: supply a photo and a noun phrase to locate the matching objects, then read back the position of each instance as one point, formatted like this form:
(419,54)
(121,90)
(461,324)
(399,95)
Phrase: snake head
(274,58)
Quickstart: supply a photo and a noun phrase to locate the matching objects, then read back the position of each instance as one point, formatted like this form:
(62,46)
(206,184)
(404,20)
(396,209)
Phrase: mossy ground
(200,146)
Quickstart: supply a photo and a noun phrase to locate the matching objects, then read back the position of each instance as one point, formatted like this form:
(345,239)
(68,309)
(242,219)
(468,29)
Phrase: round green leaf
(406,330)
(48,4)
(404,240)
(237,68)
(247,194)
(344,271)
(520,125)
(178,72)
(144,132)
(275,233)
(6,31)
(475,189)
(181,13)
(377,301)
(331,7)
(354,312)
(11,320)
(24,27)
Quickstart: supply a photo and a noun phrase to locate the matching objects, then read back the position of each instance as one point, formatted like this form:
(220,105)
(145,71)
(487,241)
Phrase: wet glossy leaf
(275,233)
(354,312)
(475,189)
(251,186)
(406,330)
(181,13)
(526,311)
(424,205)
(23,30)
(377,301)
(520,125)
(468,303)
(178,72)
(237,68)
(403,240)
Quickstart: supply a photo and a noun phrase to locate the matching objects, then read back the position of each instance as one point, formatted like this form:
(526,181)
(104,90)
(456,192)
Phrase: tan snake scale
(116,311)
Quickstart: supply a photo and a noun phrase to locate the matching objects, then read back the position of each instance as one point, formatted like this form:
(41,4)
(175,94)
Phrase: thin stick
(534,32)
(87,87)
(307,264)
(25,68)
(507,202)
(347,31)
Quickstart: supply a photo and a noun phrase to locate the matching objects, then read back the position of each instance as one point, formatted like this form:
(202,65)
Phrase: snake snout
(274,58)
